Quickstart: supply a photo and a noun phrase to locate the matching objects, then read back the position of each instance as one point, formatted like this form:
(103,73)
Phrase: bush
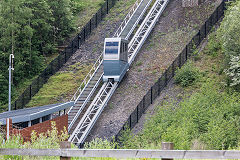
(228,34)
(209,119)
(214,45)
(187,75)
(234,70)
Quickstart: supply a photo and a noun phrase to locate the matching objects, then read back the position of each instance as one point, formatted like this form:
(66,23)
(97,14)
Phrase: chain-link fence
(58,62)
(156,89)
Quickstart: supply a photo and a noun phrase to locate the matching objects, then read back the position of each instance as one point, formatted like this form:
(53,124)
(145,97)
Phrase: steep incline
(169,36)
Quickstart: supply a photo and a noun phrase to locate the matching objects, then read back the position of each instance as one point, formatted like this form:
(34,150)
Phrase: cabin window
(111,48)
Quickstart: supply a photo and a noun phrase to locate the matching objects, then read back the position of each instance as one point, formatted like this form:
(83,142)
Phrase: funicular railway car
(115,59)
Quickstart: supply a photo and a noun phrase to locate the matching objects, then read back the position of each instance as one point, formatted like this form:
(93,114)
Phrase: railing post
(65,145)
(167,146)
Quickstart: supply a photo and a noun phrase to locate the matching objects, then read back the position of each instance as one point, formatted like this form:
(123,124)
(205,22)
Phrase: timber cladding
(61,122)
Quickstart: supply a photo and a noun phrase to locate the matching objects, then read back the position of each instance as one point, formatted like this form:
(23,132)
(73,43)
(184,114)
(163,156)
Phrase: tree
(63,24)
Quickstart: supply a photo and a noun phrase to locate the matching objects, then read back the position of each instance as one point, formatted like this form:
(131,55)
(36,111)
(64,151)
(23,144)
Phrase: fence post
(151,96)
(199,37)
(96,21)
(143,104)
(65,55)
(167,146)
(72,46)
(130,122)
(173,68)
(107,7)
(101,17)
(205,33)
(65,145)
(137,114)
(16,105)
(30,91)
(187,53)
(180,60)
(23,100)
(166,78)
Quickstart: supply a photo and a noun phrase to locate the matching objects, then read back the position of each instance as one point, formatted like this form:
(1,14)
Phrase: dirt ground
(175,28)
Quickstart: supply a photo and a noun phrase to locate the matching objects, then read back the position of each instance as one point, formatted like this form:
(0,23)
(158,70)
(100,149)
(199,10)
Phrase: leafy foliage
(51,139)
(210,118)
(234,70)
(187,75)
(227,41)
(31,29)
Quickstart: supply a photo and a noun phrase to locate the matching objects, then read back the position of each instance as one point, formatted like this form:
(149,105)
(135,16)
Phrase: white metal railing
(97,64)
(84,104)
(100,58)
(87,78)
(91,115)
(88,120)
(139,18)
(145,28)
(127,18)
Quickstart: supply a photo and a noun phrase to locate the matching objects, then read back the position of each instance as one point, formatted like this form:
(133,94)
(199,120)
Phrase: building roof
(28,114)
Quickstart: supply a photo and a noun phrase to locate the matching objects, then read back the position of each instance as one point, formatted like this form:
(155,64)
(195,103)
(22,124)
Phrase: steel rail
(96,66)
(100,101)
(146,28)
(93,112)
(127,18)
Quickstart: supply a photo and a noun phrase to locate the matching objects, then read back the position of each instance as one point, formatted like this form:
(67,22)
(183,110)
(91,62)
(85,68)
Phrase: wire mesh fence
(156,89)
(59,61)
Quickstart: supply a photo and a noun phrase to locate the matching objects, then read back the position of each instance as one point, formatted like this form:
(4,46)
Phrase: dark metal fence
(58,62)
(156,89)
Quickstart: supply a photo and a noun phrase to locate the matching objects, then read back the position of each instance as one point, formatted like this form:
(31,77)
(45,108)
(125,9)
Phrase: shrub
(234,70)
(209,118)
(187,75)
(214,45)
(228,34)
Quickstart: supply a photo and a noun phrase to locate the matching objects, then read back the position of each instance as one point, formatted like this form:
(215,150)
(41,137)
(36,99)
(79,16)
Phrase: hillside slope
(170,35)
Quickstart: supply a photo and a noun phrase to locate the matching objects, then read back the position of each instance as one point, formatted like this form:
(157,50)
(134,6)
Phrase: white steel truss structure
(127,18)
(100,101)
(93,112)
(145,28)
(78,94)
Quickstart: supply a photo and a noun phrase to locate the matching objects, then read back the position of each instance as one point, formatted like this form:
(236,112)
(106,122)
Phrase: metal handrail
(84,104)
(87,78)
(127,18)
(99,60)
(97,64)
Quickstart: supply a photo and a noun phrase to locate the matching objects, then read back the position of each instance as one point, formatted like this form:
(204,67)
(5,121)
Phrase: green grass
(60,87)
(88,9)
